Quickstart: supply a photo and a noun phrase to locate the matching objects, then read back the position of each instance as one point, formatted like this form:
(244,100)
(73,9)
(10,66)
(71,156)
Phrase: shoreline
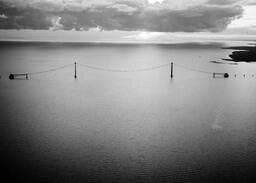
(242,54)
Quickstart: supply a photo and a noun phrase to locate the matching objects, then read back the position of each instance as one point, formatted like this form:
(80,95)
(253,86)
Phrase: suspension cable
(50,70)
(123,70)
(192,69)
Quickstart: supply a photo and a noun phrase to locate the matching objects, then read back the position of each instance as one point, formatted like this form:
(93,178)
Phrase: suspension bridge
(171,65)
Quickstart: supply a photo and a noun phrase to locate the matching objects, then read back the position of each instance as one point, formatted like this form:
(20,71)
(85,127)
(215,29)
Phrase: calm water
(126,127)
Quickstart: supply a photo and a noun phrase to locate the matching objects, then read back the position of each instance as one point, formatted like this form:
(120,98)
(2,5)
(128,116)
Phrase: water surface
(122,126)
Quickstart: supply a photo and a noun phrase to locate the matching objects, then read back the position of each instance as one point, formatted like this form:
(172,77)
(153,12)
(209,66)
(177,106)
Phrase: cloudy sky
(126,20)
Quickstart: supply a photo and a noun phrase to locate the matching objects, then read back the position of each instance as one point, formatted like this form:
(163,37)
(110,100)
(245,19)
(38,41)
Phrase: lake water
(126,126)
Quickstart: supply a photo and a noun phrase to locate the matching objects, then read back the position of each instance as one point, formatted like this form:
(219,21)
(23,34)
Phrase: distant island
(243,54)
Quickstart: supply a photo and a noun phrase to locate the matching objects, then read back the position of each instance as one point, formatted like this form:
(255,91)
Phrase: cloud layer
(125,15)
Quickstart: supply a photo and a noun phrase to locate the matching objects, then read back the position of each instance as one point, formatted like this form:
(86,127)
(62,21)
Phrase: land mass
(243,54)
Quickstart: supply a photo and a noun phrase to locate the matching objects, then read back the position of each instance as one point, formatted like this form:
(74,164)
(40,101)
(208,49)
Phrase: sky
(126,20)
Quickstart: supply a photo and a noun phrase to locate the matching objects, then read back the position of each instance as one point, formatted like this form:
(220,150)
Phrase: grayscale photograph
(128,91)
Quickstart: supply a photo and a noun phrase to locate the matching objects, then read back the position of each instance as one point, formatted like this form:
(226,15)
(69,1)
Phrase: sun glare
(148,35)
(144,35)
(154,1)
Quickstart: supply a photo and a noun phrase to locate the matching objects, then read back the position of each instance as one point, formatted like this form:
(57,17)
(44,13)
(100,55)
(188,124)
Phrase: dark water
(126,127)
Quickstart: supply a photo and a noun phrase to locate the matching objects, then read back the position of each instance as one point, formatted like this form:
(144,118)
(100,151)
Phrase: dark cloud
(23,18)
(224,2)
(251,2)
(127,15)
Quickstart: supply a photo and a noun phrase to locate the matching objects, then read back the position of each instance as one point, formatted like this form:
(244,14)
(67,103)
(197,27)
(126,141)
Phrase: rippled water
(126,127)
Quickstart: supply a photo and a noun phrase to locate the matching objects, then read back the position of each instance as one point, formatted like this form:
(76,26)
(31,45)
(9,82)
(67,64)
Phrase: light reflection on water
(127,127)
